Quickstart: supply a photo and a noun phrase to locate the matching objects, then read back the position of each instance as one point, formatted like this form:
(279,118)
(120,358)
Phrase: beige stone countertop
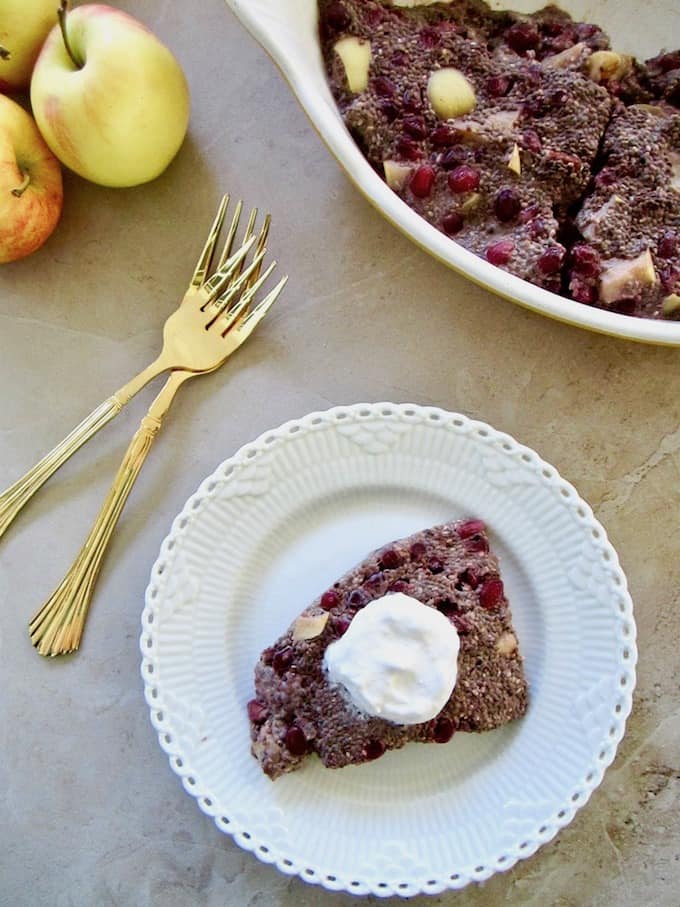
(91,813)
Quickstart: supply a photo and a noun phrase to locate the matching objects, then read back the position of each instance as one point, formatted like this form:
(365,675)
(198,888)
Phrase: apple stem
(4,53)
(62,13)
(19,191)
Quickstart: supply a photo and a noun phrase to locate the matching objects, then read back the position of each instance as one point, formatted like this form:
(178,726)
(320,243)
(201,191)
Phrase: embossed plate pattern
(277,523)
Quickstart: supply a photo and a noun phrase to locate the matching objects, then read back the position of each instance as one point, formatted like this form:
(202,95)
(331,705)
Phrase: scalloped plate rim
(190,510)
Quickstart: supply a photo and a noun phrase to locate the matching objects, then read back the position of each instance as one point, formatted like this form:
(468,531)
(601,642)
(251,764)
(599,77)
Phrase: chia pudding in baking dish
(525,138)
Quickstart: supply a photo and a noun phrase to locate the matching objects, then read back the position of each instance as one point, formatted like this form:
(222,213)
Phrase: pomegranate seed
(452,223)
(337,17)
(666,63)
(412,101)
(414,126)
(534,75)
(375,579)
(257,712)
(442,136)
(491,593)
(384,87)
(453,157)
(447,607)
(558,98)
(529,213)
(551,260)
(562,41)
(470,577)
(399,585)
(391,559)
(498,86)
(399,59)
(506,205)
(565,158)
(422,181)
(358,598)
(341,625)
(584,31)
(435,565)
(418,550)
(470,527)
(582,292)
(500,253)
(606,178)
(670,279)
(443,730)
(624,306)
(429,37)
(533,108)
(531,141)
(538,228)
(295,740)
(283,659)
(553,29)
(375,16)
(408,149)
(464,179)
(389,109)
(268,655)
(522,36)
(668,245)
(374,749)
(329,600)
(461,624)
(477,543)
(585,260)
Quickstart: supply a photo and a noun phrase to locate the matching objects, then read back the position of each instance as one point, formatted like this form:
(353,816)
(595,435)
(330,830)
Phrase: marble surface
(91,813)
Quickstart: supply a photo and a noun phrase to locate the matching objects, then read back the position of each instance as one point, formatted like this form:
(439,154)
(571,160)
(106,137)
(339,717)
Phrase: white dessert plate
(287,30)
(273,527)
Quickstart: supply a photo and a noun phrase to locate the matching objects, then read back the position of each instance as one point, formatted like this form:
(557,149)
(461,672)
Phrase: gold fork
(174,354)
(211,328)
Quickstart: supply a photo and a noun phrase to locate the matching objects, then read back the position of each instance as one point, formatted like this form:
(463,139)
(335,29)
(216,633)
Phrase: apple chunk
(31,192)
(356,58)
(450,93)
(620,277)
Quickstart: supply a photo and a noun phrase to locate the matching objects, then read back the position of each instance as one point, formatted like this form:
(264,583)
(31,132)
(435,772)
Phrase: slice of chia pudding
(297,711)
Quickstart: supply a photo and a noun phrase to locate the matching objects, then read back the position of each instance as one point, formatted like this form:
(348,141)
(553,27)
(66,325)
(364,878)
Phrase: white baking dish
(287,30)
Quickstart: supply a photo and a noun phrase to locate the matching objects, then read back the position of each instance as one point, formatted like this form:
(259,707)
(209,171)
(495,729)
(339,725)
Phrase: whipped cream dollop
(397,660)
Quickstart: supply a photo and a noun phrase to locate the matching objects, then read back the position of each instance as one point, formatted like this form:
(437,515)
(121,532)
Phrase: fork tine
(204,259)
(231,233)
(233,313)
(219,279)
(252,319)
(249,234)
(223,302)
(261,240)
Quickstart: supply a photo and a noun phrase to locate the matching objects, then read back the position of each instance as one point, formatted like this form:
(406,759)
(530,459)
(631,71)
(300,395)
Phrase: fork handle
(57,628)
(18,494)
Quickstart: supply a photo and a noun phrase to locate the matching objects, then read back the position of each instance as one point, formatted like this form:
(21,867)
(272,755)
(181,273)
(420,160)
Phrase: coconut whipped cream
(398,659)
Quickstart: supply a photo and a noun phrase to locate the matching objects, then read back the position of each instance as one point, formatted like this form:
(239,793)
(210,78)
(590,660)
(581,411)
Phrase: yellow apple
(109,98)
(24,25)
(30,184)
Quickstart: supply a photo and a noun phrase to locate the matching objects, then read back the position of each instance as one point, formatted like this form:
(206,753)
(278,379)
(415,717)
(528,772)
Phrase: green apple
(24,25)
(109,98)
(31,193)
